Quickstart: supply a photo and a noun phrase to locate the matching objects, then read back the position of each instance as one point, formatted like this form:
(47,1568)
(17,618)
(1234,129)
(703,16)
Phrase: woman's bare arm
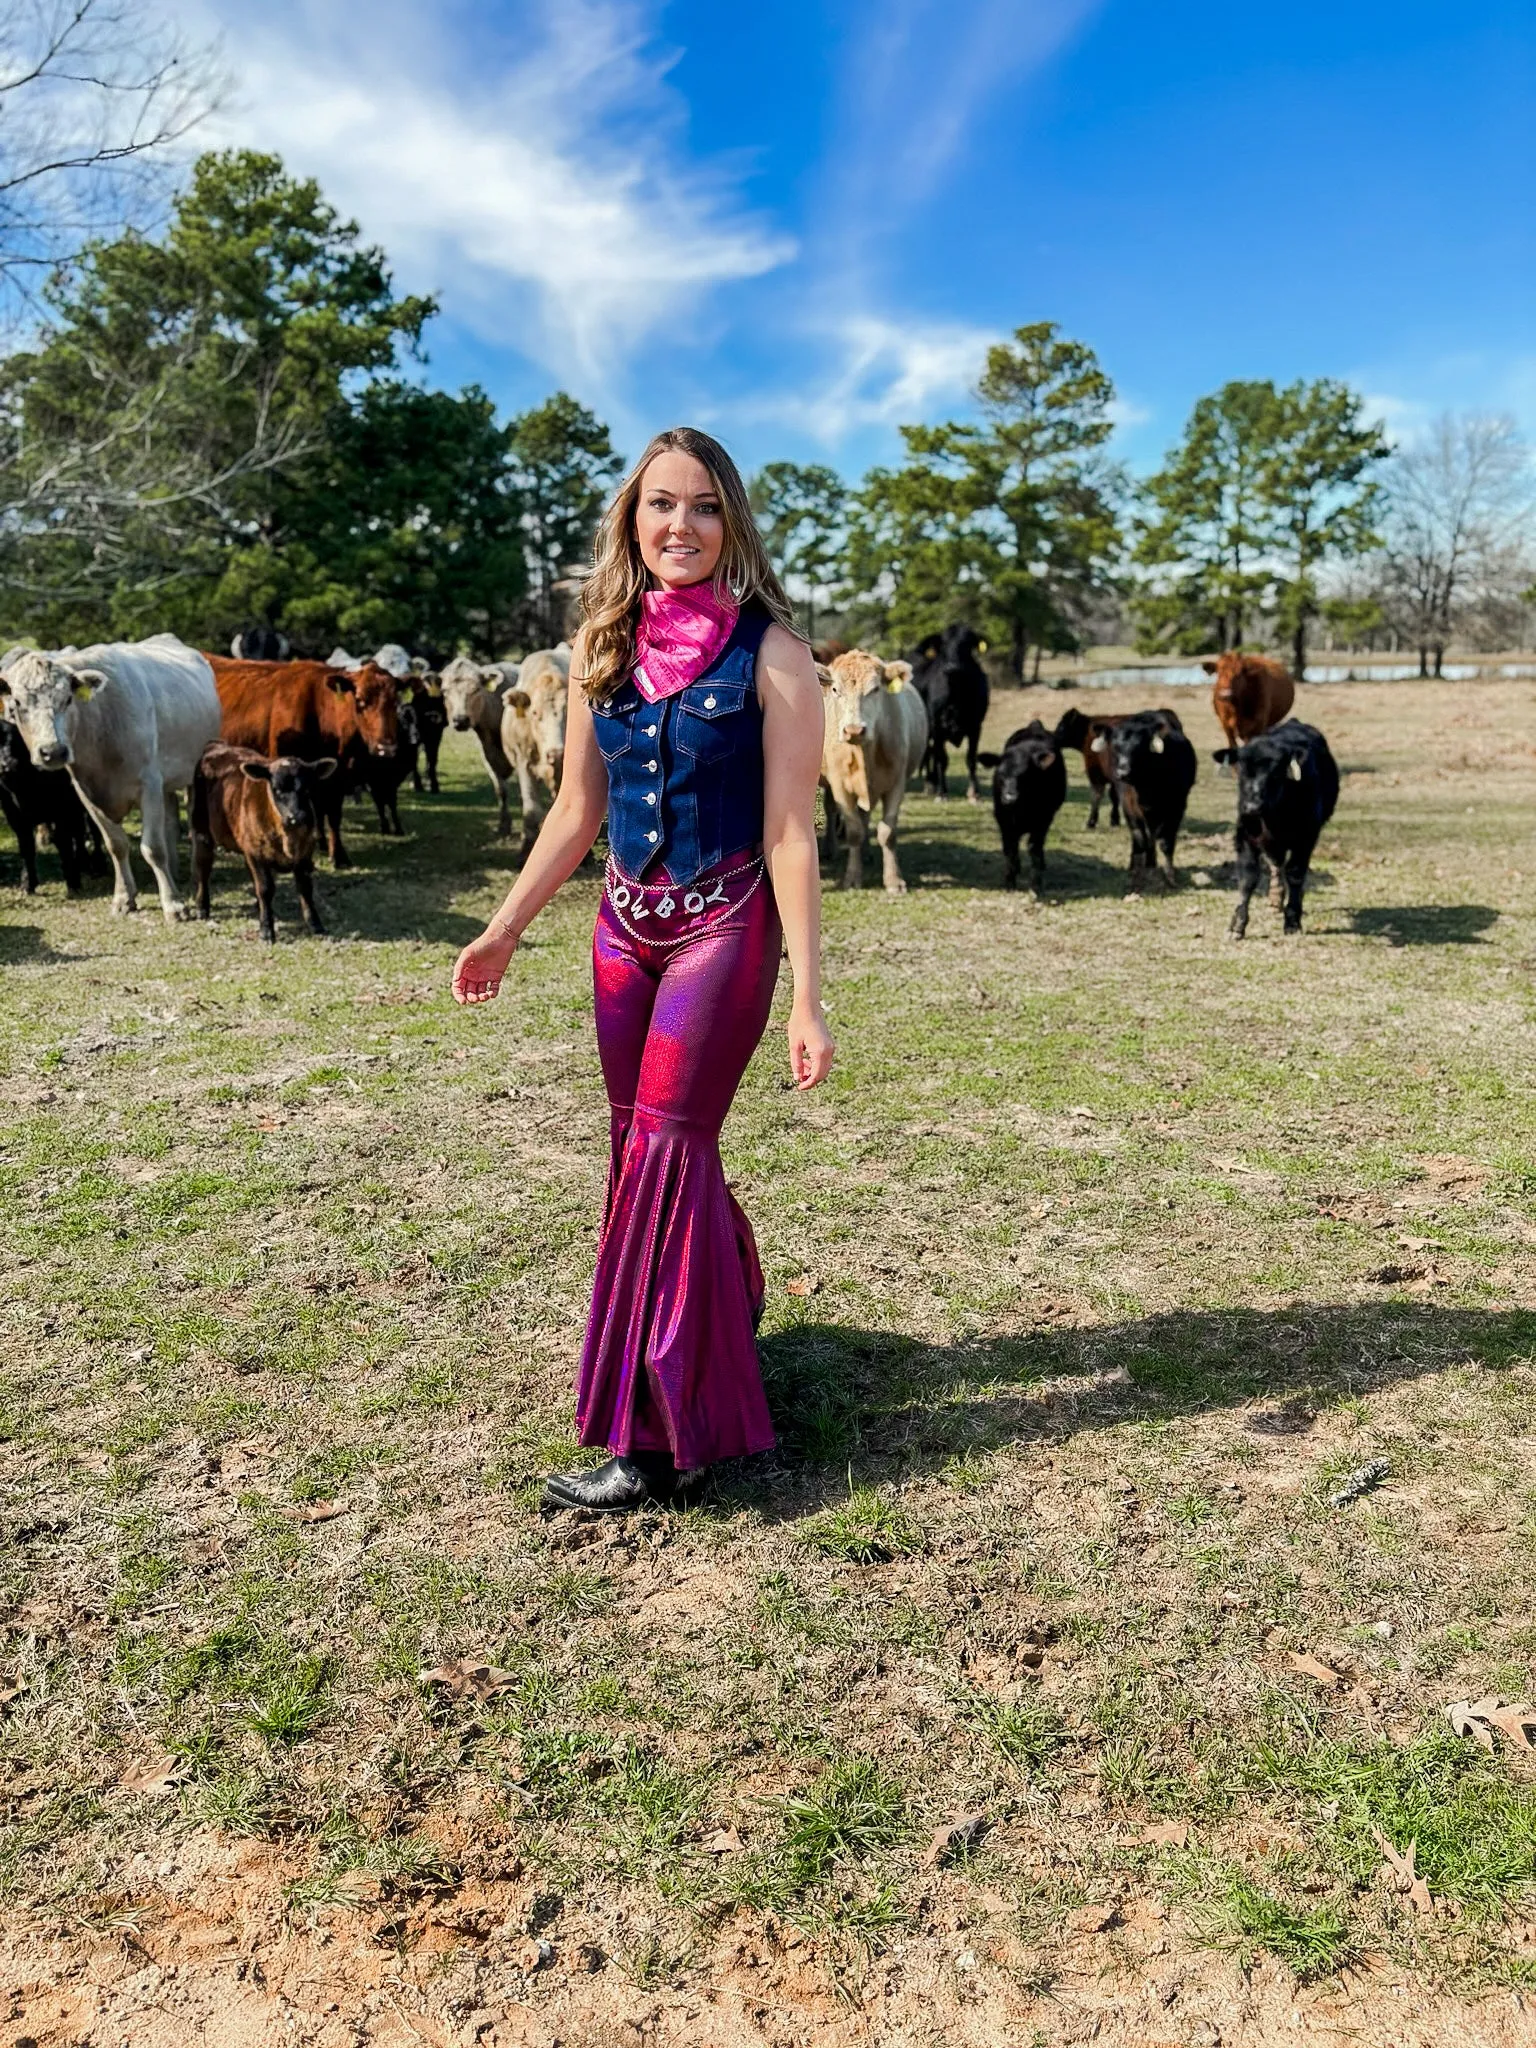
(793,721)
(564,841)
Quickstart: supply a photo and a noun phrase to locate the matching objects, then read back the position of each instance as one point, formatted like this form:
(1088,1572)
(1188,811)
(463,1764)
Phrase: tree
(563,463)
(801,512)
(93,94)
(1009,522)
(184,385)
(1206,526)
(1321,506)
(1455,503)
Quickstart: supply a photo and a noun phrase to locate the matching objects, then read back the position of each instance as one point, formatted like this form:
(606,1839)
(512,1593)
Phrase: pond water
(1188,675)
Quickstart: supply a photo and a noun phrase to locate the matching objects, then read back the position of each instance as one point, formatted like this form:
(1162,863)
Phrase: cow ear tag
(1293,769)
(84,692)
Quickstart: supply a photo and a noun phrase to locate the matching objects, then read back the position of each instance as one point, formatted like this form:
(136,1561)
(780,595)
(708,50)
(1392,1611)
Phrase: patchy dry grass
(1128,1245)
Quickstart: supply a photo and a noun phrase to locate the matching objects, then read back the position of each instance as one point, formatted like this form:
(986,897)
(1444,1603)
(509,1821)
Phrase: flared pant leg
(669,1362)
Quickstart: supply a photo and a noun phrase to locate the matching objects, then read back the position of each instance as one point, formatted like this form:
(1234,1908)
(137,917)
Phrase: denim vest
(685,776)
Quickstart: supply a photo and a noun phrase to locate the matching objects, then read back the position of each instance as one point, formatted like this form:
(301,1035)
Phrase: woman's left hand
(811,1051)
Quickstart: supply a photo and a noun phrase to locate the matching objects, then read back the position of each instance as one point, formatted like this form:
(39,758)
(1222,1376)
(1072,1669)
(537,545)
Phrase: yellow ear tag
(981,646)
(84,692)
(434,689)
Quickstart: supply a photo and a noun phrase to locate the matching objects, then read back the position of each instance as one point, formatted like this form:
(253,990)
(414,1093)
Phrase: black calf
(953,684)
(1029,786)
(429,722)
(1287,786)
(30,796)
(1154,768)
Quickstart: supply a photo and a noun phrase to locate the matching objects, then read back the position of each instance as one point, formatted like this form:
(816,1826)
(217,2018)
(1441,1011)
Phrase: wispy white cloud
(547,188)
(877,372)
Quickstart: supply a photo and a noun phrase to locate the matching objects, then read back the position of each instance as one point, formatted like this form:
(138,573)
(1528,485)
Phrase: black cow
(1029,786)
(1154,768)
(30,796)
(1287,786)
(953,684)
(428,723)
(260,643)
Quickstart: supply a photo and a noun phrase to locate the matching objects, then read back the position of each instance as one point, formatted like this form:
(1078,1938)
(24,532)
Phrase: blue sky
(800,224)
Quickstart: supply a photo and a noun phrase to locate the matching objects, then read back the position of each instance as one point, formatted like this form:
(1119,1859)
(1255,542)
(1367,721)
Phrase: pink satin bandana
(679,635)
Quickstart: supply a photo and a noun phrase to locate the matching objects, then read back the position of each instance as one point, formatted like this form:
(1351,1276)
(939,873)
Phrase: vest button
(709,703)
(650,732)
(652,837)
(650,796)
(651,765)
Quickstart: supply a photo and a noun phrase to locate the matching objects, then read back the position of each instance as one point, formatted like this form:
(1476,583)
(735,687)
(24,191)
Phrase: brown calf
(266,810)
(305,709)
(1091,737)
(1251,693)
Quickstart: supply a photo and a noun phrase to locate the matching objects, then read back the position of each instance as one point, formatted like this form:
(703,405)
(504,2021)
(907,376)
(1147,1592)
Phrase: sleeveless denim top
(685,776)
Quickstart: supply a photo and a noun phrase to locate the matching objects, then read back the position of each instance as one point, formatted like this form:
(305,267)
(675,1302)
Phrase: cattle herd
(267,749)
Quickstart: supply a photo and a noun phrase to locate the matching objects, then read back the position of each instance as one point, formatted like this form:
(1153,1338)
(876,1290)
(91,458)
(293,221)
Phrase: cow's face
(1022,762)
(378,709)
(293,787)
(1265,775)
(543,711)
(463,690)
(42,696)
(851,690)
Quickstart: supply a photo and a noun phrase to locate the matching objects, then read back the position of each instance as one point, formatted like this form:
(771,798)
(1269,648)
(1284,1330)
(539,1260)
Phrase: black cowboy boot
(616,1488)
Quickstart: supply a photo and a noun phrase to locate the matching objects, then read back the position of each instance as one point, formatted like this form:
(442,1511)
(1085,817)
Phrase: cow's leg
(1250,866)
(1037,861)
(125,892)
(304,882)
(1095,798)
(829,837)
(533,806)
(1010,833)
(173,834)
(264,883)
(430,746)
(855,829)
(69,841)
(26,843)
(1297,862)
(885,832)
(157,809)
(202,871)
(331,802)
(972,786)
(939,774)
(1114,801)
(1168,841)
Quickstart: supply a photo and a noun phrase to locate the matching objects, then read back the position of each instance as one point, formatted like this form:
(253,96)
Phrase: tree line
(221,421)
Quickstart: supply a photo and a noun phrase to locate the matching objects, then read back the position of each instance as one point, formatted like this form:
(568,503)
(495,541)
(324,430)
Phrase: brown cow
(266,810)
(1251,693)
(307,710)
(1092,736)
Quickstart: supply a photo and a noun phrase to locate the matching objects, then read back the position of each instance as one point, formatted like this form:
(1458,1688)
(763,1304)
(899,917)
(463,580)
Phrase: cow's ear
(897,674)
(340,683)
(988,760)
(1210,667)
(1048,760)
(322,770)
(518,699)
(1224,756)
(85,682)
(256,771)
(432,686)
(824,676)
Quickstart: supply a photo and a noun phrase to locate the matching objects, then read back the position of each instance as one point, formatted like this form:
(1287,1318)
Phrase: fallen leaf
(1419,1897)
(9,1693)
(1175,1833)
(721,1843)
(804,1285)
(1390,1276)
(360,1887)
(1479,1719)
(951,1835)
(1402,1866)
(156,1773)
(1084,1115)
(468,1678)
(312,1511)
(1313,1667)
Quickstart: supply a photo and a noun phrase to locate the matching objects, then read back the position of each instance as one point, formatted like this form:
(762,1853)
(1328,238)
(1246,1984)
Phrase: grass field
(1034,1693)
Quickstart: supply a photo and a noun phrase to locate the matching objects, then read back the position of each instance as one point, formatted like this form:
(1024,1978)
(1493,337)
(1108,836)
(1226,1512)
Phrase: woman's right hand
(478,970)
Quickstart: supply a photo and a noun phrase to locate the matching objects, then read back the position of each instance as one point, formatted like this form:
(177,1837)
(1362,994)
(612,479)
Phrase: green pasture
(1114,1248)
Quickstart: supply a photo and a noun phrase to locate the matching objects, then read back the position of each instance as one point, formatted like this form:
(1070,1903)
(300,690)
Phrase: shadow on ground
(24,945)
(1426,924)
(891,1404)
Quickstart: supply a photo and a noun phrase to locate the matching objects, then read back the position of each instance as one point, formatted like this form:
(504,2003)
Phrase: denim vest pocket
(613,723)
(708,719)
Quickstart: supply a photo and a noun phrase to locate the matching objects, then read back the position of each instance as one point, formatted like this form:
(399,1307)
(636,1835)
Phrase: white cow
(474,696)
(129,721)
(875,738)
(533,731)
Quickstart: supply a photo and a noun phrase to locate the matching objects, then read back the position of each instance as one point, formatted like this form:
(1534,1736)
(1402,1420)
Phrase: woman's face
(678,524)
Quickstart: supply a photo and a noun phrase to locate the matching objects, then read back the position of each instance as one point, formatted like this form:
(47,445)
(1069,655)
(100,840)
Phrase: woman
(695,724)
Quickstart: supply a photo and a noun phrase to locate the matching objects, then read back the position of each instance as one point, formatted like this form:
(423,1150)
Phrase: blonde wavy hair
(610,597)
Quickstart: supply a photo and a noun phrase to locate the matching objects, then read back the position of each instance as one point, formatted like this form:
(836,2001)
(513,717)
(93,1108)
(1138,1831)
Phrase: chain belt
(698,908)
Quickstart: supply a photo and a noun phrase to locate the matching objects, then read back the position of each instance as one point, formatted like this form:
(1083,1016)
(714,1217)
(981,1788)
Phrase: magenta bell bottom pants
(669,1362)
